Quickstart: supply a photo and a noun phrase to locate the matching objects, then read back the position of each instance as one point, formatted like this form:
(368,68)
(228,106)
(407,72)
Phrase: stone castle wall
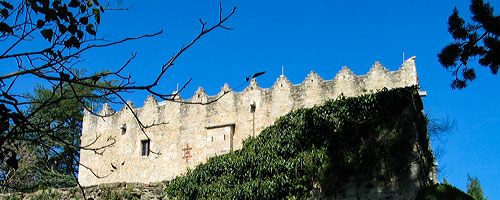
(187,134)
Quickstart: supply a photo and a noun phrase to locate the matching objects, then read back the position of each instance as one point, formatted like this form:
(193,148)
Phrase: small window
(252,107)
(144,147)
(123,127)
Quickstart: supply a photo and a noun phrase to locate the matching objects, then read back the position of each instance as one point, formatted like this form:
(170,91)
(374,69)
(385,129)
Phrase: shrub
(365,137)
(441,192)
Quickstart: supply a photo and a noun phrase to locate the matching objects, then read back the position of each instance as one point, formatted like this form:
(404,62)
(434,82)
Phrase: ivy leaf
(50,52)
(5,28)
(84,20)
(74,3)
(47,34)
(72,28)
(97,15)
(79,33)
(50,14)
(40,23)
(72,42)
(62,28)
(90,29)
(7,5)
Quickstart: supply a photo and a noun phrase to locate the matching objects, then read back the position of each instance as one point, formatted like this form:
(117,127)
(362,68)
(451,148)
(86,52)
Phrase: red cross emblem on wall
(187,153)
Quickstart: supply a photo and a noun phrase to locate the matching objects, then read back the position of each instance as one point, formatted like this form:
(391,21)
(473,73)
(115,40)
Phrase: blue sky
(321,36)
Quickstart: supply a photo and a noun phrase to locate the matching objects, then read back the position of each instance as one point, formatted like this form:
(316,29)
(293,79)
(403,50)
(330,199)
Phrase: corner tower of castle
(185,134)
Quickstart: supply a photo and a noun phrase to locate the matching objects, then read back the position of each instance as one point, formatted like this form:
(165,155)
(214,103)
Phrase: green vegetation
(442,192)
(474,188)
(46,41)
(24,123)
(477,40)
(47,195)
(447,191)
(356,138)
(56,122)
(13,197)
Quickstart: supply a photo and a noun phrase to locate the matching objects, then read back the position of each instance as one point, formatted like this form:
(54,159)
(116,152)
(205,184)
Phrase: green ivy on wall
(350,138)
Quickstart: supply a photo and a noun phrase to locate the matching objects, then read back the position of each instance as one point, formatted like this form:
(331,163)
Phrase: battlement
(187,134)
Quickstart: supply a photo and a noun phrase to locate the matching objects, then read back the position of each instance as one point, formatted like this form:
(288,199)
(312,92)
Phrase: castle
(183,133)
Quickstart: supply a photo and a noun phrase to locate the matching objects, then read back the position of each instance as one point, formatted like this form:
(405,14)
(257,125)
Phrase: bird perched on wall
(255,75)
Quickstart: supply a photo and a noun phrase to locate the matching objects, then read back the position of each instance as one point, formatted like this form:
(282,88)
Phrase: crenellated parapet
(186,132)
(345,82)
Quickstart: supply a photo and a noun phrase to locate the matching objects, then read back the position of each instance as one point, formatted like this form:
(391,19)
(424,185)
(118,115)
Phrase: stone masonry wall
(187,134)
(109,191)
